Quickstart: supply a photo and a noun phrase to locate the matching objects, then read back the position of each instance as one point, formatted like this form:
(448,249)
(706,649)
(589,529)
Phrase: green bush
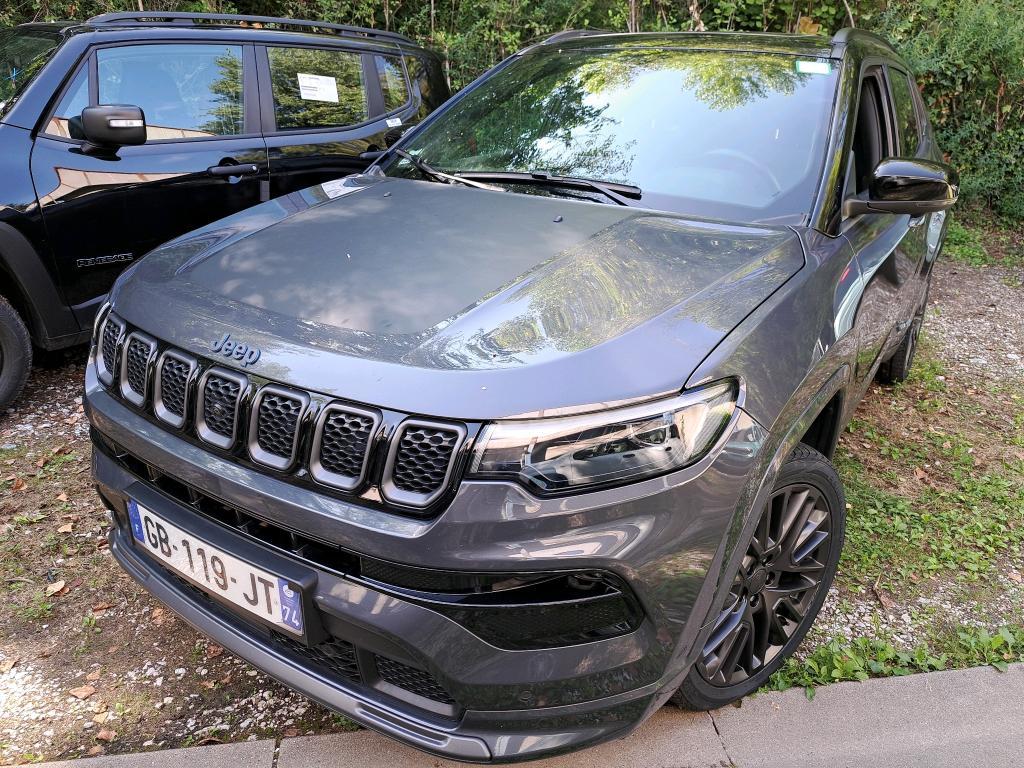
(969,60)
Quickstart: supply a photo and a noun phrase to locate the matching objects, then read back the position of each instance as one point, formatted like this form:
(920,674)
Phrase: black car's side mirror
(907,185)
(108,127)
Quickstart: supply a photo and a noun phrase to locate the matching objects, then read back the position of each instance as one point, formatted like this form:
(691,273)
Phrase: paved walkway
(961,718)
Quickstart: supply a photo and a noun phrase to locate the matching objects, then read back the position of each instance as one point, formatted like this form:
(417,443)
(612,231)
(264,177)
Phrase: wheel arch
(28,286)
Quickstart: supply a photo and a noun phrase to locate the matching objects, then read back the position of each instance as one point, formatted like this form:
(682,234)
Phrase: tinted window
(65,119)
(719,134)
(392,82)
(906,112)
(185,91)
(316,88)
(22,54)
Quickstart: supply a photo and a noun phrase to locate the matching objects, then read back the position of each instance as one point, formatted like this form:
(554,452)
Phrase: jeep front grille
(345,447)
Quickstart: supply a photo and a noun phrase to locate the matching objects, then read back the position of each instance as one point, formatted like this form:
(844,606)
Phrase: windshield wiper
(426,169)
(614,191)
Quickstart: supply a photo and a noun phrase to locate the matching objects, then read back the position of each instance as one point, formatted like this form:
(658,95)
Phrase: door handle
(245,169)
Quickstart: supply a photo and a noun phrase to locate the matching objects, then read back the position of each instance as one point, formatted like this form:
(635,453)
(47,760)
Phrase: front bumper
(666,538)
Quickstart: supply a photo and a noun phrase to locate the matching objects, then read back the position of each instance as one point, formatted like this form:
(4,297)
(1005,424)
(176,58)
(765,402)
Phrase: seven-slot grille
(226,410)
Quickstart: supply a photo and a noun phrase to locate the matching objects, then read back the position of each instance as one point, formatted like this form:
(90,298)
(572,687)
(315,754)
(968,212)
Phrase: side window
(906,113)
(316,88)
(185,91)
(871,142)
(65,121)
(392,82)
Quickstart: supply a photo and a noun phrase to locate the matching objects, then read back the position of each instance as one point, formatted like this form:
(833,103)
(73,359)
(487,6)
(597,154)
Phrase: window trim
(250,104)
(371,82)
(876,69)
(892,72)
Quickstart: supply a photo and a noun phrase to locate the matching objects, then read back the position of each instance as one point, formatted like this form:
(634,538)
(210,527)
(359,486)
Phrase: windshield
(718,134)
(22,53)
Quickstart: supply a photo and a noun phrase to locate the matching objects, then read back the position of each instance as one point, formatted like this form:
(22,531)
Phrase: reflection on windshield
(22,54)
(708,133)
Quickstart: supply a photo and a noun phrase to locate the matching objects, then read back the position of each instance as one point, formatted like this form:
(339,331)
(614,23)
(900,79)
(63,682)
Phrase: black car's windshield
(718,134)
(22,53)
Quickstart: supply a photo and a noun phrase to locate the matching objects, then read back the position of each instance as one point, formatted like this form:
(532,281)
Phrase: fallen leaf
(208,684)
(101,607)
(158,616)
(920,474)
(53,589)
(887,602)
(291,732)
(106,735)
(95,750)
(1014,577)
(62,497)
(8,664)
(19,484)
(66,528)
(94,675)
(82,693)
(100,718)
(213,651)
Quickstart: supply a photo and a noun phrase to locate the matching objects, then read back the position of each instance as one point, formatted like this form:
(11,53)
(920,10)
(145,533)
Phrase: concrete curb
(937,720)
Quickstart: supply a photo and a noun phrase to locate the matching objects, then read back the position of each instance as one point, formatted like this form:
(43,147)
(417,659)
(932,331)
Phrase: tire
(15,353)
(897,368)
(747,646)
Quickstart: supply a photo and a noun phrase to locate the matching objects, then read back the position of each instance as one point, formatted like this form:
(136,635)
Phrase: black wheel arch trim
(51,321)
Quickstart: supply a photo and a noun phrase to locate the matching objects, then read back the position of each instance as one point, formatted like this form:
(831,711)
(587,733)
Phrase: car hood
(453,301)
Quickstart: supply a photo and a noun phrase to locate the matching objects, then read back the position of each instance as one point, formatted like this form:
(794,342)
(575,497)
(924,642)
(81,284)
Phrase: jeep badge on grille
(236,350)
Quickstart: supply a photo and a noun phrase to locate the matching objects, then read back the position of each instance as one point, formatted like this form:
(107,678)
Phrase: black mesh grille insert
(413,680)
(422,459)
(276,424)
(220,396)
(343,442)
(110,333)
(174,384)
(137,360)
(334,656)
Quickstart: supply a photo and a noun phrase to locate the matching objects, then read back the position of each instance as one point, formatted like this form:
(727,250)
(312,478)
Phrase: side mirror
(111,126)
(907,185)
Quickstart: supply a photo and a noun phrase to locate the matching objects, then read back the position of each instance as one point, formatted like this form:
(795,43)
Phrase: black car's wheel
(778,590)
(897,368)
(15,353)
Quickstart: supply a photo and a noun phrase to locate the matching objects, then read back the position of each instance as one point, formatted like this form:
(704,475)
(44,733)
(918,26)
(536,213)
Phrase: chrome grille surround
(106,350)
(137,357)
(276,450)
(225,391)
(174,369)
(420,494)
(327,434)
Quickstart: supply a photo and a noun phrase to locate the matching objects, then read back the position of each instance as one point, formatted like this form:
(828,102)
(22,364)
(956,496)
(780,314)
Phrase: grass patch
(864,658)
(982,242)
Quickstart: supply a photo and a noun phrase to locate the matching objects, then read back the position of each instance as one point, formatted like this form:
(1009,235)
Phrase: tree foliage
(969,56)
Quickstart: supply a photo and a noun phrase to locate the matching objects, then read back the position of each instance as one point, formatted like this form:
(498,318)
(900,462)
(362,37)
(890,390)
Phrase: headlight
(605,448)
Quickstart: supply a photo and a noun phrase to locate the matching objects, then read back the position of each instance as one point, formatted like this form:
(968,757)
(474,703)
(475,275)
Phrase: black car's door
(325,105)
(103,210)
(887,245)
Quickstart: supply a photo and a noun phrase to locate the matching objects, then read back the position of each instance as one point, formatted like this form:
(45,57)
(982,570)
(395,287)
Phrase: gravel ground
(90,664)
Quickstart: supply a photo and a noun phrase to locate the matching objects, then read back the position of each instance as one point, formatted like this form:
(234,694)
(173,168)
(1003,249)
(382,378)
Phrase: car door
(886,255)
(323,106)
(204,157)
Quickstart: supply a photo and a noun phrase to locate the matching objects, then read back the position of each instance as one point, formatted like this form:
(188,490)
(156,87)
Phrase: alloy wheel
(779,577)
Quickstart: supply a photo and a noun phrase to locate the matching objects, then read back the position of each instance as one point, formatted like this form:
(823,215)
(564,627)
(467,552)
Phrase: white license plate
(250,588)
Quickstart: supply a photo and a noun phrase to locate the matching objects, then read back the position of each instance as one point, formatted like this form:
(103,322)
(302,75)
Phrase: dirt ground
(90,664)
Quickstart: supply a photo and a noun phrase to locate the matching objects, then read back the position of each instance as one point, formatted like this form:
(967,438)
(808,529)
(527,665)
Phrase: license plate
(250,588)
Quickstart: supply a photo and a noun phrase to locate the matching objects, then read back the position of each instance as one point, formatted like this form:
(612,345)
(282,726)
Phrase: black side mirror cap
(907,186)
(110,126)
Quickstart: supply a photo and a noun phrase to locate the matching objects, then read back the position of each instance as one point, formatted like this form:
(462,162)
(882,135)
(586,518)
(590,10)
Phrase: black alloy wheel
(787,568)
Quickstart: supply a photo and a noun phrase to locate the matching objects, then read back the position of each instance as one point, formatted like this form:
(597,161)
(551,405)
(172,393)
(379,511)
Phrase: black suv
(213,113)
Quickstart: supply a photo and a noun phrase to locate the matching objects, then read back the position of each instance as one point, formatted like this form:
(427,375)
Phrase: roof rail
(568,34)
(843,36)
(170,17)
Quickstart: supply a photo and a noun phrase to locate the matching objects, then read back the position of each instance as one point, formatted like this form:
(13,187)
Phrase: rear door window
(392,82)
(906,112)
(316,88)
(185,91)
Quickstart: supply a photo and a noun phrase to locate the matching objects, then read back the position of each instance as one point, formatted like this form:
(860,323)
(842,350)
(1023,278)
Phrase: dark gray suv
(500,445)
